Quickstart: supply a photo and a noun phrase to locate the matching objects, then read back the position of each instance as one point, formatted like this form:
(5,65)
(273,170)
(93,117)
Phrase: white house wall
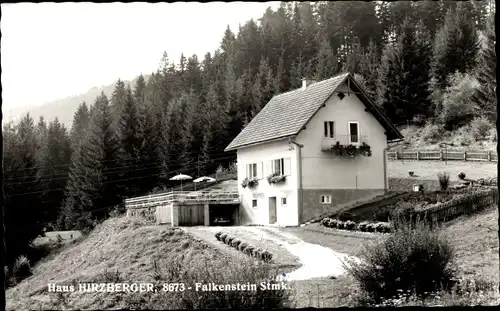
(286,215)
(346,179)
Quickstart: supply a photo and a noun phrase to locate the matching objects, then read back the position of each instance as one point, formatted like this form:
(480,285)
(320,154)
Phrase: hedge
(244,247)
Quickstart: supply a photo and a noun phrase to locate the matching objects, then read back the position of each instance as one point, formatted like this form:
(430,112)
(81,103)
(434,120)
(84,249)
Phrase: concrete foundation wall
(340,198)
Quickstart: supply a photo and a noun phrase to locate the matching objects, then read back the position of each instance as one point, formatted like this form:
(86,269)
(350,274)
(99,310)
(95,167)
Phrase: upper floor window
(329,129)
(353,132)
(254,170)
(281,166)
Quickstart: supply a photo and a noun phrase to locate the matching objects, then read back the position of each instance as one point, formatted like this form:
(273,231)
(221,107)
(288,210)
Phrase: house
(311,150)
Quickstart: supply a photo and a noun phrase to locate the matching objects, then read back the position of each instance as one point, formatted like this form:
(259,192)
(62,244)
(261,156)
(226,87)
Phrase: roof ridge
(318,82)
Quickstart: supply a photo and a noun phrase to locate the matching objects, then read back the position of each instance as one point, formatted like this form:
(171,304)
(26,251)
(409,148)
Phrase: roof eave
(236,147)
(394,130)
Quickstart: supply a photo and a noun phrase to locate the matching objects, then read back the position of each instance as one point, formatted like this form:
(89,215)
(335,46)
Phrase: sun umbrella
(203,178)
(181,177)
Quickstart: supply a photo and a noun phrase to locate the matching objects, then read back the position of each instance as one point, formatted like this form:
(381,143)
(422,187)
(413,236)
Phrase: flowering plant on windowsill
(249,182)
(352,150)
(275,178)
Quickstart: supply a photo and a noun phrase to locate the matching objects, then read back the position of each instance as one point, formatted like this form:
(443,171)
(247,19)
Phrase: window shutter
(260,173)
(287,167)
(271,165)
(247,170)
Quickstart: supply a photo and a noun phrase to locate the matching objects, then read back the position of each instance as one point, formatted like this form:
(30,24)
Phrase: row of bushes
(383,227)
(244,247)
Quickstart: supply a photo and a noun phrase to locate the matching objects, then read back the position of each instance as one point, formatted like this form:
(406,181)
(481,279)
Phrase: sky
(54,50)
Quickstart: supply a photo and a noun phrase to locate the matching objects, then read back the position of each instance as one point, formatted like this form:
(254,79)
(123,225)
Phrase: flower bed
(244,247)
(381,227)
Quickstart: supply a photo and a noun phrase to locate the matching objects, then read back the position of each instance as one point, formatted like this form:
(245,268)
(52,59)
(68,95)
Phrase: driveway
(314,261)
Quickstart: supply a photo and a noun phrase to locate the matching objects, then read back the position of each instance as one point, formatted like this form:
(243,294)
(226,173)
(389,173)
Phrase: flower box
(275,178)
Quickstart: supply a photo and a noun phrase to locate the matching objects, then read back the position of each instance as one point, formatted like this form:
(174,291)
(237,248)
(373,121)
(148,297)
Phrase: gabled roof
(286,114)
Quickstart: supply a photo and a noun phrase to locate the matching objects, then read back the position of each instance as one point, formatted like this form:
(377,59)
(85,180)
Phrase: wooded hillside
(429,63)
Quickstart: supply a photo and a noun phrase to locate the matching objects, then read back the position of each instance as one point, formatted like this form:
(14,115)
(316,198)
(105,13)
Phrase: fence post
(441,154)
(489,156)
(418,155)
(465,155)
(396,154)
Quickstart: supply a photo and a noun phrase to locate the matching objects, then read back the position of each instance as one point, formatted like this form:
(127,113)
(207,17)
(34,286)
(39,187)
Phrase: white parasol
(181,177)
(203,178)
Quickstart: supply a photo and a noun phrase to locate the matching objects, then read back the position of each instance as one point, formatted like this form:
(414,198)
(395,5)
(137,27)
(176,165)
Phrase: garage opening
(223,214)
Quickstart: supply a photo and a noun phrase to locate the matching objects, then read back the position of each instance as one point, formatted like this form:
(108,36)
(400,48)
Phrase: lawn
(428,170)
(476,244)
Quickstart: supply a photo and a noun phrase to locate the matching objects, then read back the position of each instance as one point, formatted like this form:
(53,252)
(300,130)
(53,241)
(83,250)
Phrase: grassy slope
(414,135)
(476,244)
(119,244)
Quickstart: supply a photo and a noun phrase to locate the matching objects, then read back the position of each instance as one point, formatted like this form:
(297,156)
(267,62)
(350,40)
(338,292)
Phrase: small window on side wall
(254,203)
(283,201)
(326,199)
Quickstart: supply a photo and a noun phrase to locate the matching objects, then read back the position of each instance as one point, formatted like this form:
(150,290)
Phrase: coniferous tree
(117,99)
(127,131)
(79,127)
(326,62)
(369,63)
(486,74)
(92,187)
(262,90)
(455,47)
(23,215)
(403,76)
(56,166)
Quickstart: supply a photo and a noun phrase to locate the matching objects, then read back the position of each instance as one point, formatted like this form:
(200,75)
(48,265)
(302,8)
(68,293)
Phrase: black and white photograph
(249,155)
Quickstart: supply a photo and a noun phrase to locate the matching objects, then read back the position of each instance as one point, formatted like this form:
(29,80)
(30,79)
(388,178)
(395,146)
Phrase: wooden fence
(443,155)
(464,204)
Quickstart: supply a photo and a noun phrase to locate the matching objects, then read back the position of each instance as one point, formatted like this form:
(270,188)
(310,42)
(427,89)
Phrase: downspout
(301,194)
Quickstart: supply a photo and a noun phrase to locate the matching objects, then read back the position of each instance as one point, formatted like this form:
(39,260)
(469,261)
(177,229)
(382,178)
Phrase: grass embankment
(474,239)
(127,250)
(421,138)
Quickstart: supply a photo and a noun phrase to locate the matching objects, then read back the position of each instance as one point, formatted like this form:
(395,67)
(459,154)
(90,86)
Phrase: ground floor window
(326,199)
(283,201)
(254,203)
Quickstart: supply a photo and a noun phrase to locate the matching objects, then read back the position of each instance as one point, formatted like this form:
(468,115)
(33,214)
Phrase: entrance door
(272,210)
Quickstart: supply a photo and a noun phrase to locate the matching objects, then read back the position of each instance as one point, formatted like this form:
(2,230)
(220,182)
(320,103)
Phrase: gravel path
(316,261)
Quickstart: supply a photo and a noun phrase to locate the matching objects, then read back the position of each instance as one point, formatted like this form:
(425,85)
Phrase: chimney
(307,82)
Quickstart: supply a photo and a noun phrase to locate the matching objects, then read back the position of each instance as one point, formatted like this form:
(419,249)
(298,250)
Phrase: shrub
(221,271)
(235,243)
(362,226)
(266,256)
(480,128)
(249,250)
(431,133)
(344,216)
(370,227)
(340,224)
(461,175)
(414,259)
(325,222)
(223,237)
(242,246)
(218,235)
(349,225)
(21,268)
(383,227)
(458,107)
(444,180)
(332,223)
(229,239)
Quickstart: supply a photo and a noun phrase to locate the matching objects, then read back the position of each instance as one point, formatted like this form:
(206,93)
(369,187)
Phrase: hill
(63,108)
(128,250)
